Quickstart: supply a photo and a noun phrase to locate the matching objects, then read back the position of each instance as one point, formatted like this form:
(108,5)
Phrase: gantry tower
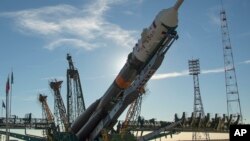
(75,101)
(194,69)
(232,93)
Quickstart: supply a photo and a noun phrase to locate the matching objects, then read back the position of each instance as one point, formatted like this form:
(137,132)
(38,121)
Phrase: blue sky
(36,36)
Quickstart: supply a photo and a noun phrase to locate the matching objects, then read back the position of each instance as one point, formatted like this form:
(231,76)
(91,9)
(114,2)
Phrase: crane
(75,101)
(48,115)
(59,105)
(45,107)
(133,112)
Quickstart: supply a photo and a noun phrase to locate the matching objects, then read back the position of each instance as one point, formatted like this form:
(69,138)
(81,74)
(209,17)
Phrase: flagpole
(10,99)
(7,108)
(2,111)
(7,118)
(12,81)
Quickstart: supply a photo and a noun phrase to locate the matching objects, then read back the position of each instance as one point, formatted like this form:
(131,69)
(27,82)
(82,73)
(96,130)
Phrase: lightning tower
(194,69)
(233,99)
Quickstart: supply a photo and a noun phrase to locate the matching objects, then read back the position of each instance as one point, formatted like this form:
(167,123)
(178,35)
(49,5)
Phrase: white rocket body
(167,19)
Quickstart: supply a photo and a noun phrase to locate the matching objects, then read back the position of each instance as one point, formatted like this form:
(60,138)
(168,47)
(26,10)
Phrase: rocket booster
(144,49)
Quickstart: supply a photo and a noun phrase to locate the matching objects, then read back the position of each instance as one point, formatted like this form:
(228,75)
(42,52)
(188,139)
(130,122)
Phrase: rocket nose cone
(178,4)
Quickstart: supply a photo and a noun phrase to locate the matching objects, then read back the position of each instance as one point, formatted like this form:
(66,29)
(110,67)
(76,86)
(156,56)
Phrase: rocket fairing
(151,36)
(166,20)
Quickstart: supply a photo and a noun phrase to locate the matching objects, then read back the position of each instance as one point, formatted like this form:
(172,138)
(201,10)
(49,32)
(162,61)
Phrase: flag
(8,86)
(3,104)
(12,78)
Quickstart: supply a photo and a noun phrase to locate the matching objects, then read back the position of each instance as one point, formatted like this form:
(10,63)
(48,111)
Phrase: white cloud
(71,42)
(44,20)
(246,62)
(99,7)
(169,75)
(218,70)
(160,76)
(83,28)
(40,26)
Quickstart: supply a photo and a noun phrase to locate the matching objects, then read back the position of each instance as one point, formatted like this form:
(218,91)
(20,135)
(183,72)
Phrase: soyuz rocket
(144,49)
